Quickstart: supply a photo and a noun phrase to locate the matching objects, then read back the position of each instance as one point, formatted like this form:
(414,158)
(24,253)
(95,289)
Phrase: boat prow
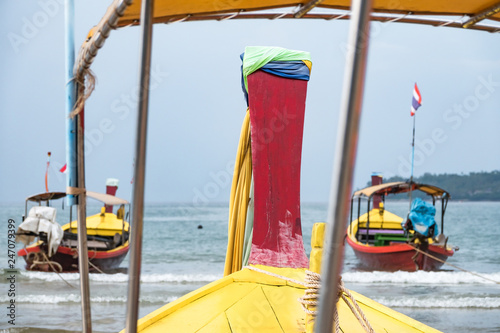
(267,299)
(270,285)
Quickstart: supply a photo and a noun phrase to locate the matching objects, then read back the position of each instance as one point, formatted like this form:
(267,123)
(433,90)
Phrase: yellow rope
(240,194)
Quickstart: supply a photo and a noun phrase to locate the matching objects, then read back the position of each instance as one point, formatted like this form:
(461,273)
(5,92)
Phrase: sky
(197,106)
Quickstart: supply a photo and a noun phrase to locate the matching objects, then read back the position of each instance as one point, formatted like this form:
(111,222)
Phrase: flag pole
(415,104)
(47,173)
(412,156)
(75,164)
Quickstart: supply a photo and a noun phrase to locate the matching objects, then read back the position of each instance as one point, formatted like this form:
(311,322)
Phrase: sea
(184,248)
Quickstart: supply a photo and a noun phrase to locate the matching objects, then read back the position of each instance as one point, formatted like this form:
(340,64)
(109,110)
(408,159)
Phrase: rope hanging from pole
(95,40)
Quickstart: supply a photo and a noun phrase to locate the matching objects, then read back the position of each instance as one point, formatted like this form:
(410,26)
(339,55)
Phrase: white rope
(399,18)
(446,263)
(356,310)
(338,17)
(75,190)
(96,268)
(446,23)
(83,75)
(179,20)
(293,11)
(312,282)
(275,275)
(45,260)
(230,16)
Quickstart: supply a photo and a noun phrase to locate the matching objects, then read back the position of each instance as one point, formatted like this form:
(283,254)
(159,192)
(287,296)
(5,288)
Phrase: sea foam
(449,302)
(421,278)
(75,298)
(123,278)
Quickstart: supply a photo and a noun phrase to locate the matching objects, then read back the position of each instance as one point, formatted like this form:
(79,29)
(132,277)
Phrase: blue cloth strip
(289,69)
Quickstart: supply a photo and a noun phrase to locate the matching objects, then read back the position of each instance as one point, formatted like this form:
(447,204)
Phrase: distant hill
(476,186)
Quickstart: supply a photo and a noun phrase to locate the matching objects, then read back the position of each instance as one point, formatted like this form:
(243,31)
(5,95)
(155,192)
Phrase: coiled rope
(312,282)
(45,260)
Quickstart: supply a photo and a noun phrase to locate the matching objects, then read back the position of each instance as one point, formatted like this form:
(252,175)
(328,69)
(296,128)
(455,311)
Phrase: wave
(190,218)
(398,278)
(123,278)
(421,278)
(75,298)
(449,302)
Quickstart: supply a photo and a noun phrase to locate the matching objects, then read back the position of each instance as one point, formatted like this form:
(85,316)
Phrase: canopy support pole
(341,188)
(75,160)
(140,167)
(306,8)
(83,256)
(482,15)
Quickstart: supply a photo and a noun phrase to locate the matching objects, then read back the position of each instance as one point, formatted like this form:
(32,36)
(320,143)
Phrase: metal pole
(71,130)
(341,187)
(83,257)
(76,165)
(140,168)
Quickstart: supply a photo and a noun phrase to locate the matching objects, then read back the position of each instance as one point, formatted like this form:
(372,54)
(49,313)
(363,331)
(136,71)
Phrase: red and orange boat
(385,241)
(52,248)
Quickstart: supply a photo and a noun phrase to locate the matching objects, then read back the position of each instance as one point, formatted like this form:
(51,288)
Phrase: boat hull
(66,259)
(401,257)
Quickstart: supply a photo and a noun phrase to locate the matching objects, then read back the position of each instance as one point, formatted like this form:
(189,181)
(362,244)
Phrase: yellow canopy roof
(168,10)
(121,13)
(107,198)
(104,198)
(400,187)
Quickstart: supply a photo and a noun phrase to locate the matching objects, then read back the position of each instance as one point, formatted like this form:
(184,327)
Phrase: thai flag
(416,100)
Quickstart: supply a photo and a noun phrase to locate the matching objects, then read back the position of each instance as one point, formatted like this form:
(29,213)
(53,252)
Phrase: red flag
(416,101)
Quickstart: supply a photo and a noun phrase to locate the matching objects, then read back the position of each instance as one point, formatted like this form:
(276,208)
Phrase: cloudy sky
(197,106)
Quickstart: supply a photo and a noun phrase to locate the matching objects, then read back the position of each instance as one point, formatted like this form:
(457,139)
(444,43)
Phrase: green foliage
(476,186)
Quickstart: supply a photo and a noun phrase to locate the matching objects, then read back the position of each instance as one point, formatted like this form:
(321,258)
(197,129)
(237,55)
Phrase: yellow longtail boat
(270,285)
(262,295)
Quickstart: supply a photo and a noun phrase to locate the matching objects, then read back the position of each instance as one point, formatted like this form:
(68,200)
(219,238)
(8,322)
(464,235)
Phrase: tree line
(475,186)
